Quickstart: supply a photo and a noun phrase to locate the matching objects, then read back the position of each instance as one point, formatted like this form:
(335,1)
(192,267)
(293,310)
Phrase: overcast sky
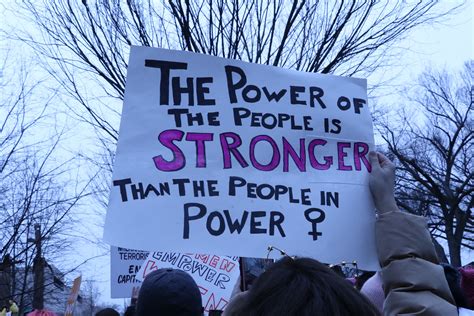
(447,44)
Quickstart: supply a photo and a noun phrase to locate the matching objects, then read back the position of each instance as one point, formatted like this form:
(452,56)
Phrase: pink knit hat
(374,291)
(467,284)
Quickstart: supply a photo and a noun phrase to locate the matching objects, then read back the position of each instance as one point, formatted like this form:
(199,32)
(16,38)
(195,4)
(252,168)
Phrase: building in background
(16,282)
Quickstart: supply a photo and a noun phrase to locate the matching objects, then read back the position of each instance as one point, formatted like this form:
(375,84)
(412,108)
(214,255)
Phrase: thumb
(374,160)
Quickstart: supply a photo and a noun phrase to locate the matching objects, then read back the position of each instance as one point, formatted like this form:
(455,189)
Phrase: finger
(385,162)
(374,160)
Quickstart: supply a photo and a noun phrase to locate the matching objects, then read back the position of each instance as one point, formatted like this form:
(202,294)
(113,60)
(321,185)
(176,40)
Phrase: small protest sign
(215,276)
(227,157)
(124,266)
(73,296)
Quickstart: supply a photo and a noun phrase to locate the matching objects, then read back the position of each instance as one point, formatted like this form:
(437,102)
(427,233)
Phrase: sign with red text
(227,157)
(215,276)
(124,266)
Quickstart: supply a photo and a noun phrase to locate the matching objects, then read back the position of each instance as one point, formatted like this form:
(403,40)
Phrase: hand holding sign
(382,183)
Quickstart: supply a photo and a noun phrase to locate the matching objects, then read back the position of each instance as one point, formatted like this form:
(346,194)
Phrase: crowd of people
(411,281)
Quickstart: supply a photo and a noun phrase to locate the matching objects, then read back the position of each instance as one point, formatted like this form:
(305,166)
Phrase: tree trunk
(38,281)
(5,280)
(454,252)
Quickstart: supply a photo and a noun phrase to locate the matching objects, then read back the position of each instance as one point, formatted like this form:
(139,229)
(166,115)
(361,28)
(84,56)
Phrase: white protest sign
(227,157)
(124,266)
(215,276)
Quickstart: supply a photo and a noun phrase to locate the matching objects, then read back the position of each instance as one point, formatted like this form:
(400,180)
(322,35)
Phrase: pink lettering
(341,154)
(214,261)
(200,138)
(167,138)
(227,265)
(361,155)
(312,158)
(211,303)
(288,150)
(350,156)
(149,267)
(228,149)
(275,157)
(202,257)
(203,290)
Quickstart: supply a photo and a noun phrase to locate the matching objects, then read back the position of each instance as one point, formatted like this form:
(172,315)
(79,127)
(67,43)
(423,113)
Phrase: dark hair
(362,278)
(107,312)
(303,286)
(130,311)
(337,270)
(454,281)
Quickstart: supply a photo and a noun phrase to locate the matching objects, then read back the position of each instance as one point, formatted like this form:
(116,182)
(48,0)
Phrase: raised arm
(414,282)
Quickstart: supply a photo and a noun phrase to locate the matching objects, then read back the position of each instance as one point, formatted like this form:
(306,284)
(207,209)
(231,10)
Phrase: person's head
(338,270)
(130,311)
(454,281)
(302,286)
(107,312)
(169,292)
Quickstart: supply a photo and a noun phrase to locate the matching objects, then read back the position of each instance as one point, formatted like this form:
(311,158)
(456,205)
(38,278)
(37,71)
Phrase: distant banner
(216,276)
(227,157)
(124,266)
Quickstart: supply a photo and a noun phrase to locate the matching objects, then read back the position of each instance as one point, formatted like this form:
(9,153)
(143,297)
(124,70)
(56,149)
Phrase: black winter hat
(169,292)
